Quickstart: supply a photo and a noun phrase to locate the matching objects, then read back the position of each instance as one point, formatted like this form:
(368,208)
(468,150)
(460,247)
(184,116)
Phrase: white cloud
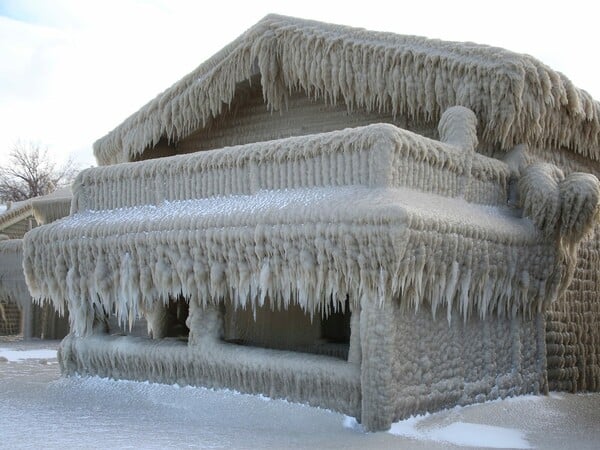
(71,71)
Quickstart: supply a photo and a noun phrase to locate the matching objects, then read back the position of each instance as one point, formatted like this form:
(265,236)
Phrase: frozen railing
(378,155)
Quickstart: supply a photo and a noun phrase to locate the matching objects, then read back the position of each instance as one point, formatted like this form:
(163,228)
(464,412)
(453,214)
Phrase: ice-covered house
(20,314)
(378,224)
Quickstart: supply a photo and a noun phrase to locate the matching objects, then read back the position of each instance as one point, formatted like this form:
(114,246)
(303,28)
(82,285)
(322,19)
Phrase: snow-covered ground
(39,409)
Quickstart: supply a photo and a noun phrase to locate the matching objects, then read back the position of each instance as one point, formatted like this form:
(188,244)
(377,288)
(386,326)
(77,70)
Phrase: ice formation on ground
(97,413)
(463,434)
(20,355)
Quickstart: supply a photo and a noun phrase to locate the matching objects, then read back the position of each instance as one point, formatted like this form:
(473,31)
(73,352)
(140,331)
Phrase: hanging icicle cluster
(516,98)
(12,281)
(368,213)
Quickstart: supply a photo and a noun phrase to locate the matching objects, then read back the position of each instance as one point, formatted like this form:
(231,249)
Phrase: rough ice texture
(516,98)
(12,281)
(44,209)
(37,320)
(17,220)
(15,300)
(375,155)
(467,258)
(272,220)
(24,215)
(431,365)
(573,326)
(573,321)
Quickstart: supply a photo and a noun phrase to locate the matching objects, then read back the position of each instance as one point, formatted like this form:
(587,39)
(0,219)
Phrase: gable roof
(44,209)
(18,212)
(516,98)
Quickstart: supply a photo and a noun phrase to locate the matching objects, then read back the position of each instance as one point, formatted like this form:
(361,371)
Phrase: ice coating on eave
(372,214)
(516,98)
(374,155)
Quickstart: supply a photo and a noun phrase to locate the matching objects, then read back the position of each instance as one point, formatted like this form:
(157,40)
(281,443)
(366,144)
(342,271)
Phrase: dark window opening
(290,329)
(176,314)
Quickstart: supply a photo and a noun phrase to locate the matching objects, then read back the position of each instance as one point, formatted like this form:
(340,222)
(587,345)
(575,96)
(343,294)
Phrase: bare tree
(30,173)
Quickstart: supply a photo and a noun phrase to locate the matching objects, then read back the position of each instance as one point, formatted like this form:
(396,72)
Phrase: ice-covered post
(205,323)
(458,127)
(354,352)
(376,374)
(157,320)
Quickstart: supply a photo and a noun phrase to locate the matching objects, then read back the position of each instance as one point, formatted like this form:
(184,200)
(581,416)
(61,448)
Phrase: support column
(354,351)
(157,320)
(27,320)
(205,323)
(376,378)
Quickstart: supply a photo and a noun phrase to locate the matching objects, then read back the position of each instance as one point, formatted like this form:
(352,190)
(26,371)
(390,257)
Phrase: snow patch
(462,433)
(20,355)
(477,435)
(352,423)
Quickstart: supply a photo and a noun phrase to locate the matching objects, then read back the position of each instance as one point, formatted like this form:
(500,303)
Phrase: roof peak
(515,97)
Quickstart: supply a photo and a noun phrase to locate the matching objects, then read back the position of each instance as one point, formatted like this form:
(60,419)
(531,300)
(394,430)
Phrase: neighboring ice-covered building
(20,314)
(378,224)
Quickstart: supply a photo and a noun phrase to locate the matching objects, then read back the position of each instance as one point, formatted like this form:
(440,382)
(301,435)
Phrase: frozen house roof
(45,209)
(516,98)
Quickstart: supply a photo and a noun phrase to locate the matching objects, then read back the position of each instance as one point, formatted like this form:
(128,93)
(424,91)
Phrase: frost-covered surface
(318,247)
(7,354)
(516,98)
(18,211)
(271,219)
(464,434)
(374,155)
(12,280)
(41,410)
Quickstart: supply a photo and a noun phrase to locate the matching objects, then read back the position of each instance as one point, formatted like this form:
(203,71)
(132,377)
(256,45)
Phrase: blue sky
(71,70)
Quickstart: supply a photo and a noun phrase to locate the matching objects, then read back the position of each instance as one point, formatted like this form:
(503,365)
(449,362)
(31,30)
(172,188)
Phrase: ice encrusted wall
(427,365)
(248,120)
(573,320)
(573,326)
